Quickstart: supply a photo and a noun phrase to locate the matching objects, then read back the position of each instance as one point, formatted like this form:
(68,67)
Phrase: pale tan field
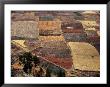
(85,56)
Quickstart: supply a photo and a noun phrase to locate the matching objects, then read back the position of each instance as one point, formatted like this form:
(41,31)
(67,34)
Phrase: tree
(27,60)
(62,73)
(36,60)
(47,72)
(28,56)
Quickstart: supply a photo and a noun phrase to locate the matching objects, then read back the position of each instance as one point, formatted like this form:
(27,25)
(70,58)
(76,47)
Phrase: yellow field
(85,56)
(88,23)
(20,42)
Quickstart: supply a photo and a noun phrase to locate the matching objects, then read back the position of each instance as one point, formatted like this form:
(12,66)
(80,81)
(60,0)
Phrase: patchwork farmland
(55,44)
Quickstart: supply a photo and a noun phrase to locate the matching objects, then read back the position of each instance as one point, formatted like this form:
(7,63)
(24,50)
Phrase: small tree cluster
(27,60)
